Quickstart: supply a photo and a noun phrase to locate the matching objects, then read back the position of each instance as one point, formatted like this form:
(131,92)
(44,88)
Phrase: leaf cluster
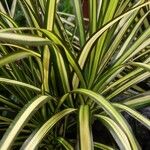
(61,72)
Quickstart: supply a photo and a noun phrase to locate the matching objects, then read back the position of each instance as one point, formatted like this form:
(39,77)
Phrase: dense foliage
(63,76)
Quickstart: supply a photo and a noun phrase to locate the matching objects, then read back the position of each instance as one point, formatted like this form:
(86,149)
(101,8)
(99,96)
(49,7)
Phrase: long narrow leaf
(116,132)
(65,143)
(20,121)
(112,112)
(50,14)
(92,40)
(102,146)
(20,84)
(141,65)
(84,128)
(15,56)
(79,15)
(139,101)
(23,39)
(145,121)
(37,137)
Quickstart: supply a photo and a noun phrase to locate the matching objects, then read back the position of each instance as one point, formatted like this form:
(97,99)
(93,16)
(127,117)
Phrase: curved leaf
(20,121)
(22,48)
(7,102)
(23,39)
(102,146)
(118,134)
(141,65)
(112,112)
(126,85)
(13,57)
(57,41)
(138,101)
(92,40)
(35,138)
(65,143)
(79,15)
(9,20)
(145,121)
(19,83)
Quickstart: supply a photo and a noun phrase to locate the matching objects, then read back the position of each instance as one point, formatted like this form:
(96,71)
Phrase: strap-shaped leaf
(23,39)
(20,121)
(50,14)
(137,46)
(101,42)
(22,49)
(46,68)
(102,146)
(13,8)
(29,12)
(62,71)
(35,138)
(138,101)
(19,83)
(86,142)
(118,134)
(92,40)
(112,112)
(57,41)
(145,121)
(13,57)
(131,82)
(65,143)
(141,65)
(9,20)
(131,36)
(92,16)
(7,102)
(80,23)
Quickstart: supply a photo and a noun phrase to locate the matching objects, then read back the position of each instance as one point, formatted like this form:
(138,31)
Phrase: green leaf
(137,46)
(141,65)
(145,121)
(22,49)
(15,56)
(46,67)
(116,131)
(93,16)
(65,143)
(102,146)
(62,69)
(139,101)
(37,137)
(112,112)
(30,14)
(86,49)
(10,21)
(50,14)
(19,83)
(20,121)
(84,128)
(71,59)
(131,36)
(13,8)
(80,23)
(7,102)
(102,40)
(126,85)
(23,39)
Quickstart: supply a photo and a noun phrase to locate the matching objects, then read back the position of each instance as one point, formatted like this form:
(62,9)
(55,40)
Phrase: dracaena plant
(61,72)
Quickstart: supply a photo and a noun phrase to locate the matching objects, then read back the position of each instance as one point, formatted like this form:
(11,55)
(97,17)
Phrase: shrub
(59,75)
